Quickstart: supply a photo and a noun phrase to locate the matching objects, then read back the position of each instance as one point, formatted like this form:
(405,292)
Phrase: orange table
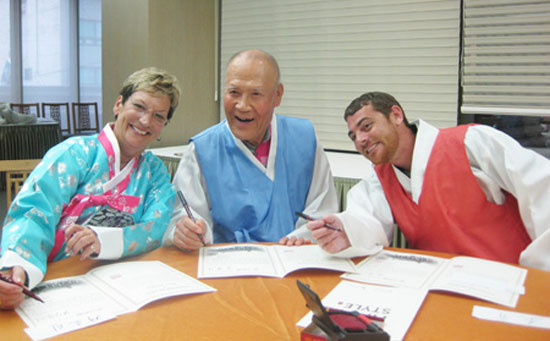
(261,308)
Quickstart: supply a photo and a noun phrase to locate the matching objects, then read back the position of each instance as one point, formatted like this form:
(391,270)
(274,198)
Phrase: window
(6,63)
(47,41)
(89,41)
(42,58)
(506,68)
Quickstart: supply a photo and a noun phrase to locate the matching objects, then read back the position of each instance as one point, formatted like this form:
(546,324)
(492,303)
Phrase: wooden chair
(82,118)
(56,111)
(17,172)
(26,109)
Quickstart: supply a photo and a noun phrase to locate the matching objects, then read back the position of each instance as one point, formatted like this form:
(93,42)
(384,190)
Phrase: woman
(97,195)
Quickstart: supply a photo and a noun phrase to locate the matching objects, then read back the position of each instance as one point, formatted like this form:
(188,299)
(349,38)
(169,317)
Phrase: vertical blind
(506,57)
(331,51)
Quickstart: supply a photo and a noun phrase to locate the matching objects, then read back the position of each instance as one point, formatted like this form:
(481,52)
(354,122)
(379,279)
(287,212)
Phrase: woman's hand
(82,239)
(12,295)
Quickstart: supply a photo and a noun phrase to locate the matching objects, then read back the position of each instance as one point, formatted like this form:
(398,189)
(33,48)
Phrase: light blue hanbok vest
(246,206)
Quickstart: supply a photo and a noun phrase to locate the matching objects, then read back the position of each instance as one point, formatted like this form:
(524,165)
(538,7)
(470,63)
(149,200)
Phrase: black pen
(310,218)
(25,290)
(189,214)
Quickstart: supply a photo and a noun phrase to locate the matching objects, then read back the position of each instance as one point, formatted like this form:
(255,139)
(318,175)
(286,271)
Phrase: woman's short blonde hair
(155,82)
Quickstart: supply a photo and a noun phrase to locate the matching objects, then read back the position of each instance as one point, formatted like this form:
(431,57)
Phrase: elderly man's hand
(83,240)
(294,241)
(330,240)
(12,295)
(189,234)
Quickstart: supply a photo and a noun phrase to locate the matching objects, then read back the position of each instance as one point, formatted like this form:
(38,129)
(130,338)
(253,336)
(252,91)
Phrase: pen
(25,290)
(189,214)
(310,218)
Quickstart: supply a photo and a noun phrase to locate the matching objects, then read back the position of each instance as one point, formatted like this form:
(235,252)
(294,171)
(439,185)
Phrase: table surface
(261,308)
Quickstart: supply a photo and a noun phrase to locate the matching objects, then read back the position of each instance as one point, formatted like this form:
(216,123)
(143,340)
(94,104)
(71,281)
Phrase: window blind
(506,57)
(330,52)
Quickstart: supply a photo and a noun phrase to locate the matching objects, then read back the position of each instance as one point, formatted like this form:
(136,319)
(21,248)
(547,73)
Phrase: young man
(469,190)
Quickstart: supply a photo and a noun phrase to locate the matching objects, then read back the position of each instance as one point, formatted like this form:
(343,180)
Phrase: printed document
(484,279)
(76,302)
(266,260)
(397,307)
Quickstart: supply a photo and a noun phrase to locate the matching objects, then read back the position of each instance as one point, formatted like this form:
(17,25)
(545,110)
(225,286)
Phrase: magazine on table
(394,307)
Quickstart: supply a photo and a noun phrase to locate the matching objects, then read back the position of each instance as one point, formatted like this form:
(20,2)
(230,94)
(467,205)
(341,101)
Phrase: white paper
(491,281)
(76,302)
(136,284)
(46,331)
(294,258)
(488,280)
(266,260)
(397,306)
(65,300)
(397,269)
(512,317)
(236,260)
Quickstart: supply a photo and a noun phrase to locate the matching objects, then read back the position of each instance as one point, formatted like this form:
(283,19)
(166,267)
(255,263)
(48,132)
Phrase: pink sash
(120,202)
(262,152)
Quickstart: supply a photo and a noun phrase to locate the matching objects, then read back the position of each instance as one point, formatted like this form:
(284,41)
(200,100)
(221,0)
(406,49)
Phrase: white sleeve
(523,173)
(11,259)
(321,198)
(111,240)
(190,181)
(368,220)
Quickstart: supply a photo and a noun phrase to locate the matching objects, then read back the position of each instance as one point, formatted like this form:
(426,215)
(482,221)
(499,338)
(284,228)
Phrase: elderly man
(469,190)
(245,177)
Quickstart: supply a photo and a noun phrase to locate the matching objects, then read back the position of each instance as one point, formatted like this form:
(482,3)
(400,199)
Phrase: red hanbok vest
(453,214)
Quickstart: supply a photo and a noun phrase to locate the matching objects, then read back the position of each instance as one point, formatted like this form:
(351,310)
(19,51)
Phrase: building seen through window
(50,51)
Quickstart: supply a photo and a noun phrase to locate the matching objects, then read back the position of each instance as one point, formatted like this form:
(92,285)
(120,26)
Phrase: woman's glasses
(158,118)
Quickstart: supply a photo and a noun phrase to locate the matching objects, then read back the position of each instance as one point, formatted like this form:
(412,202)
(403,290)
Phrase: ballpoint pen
(310,218)
(25,290)
(189,214)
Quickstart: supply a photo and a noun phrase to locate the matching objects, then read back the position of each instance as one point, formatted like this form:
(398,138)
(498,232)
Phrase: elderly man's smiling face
(251,94)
